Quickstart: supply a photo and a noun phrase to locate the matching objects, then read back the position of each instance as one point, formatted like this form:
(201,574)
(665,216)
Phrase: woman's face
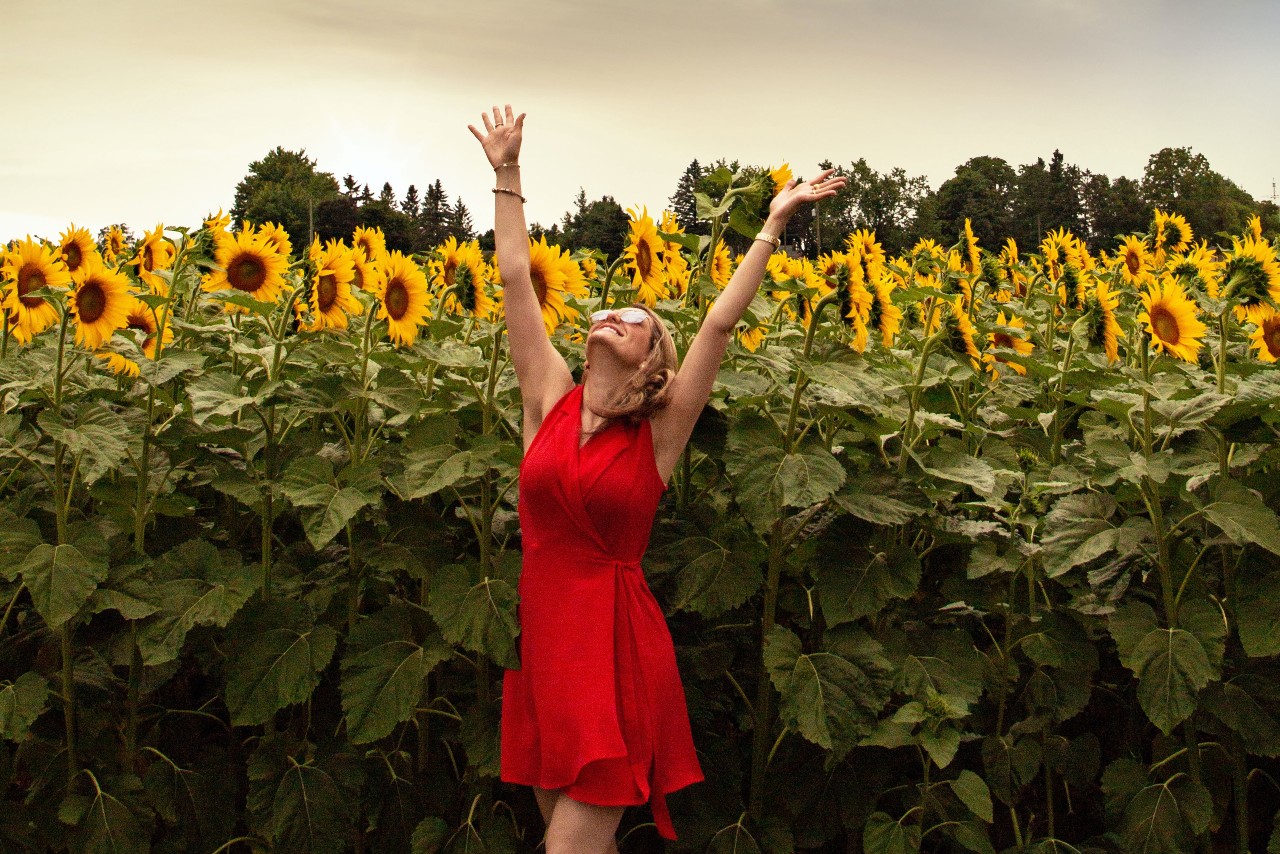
(631,342)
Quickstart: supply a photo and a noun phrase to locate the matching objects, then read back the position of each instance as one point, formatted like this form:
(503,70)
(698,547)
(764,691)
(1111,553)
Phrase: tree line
(999,199)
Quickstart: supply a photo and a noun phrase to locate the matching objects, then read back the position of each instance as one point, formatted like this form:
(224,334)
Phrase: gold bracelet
(500,165)
(510,191)
(769,238)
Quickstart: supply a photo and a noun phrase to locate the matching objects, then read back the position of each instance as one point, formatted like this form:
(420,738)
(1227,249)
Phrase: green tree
(1047,197)
(284,187)
(982,191)
(434,219)
(460,225)
(682,201)
(1177,180)
(1110,209)
(601,224)
(412,204)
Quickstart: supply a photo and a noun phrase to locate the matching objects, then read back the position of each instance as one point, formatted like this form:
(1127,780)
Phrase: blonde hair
(646,391)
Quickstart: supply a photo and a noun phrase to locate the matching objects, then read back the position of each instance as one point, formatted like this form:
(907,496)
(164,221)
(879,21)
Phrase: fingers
(476,133)
(488,125)
(520,121)
(511,119)
(497,116)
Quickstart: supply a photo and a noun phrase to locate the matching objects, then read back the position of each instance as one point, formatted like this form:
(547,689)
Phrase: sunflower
(780,176)
(249,265)
(1133,260)
(752,337)
(1198,268)
(884,317)
(643,255)
(154,253)
(721,266)
(371,241)
(1266,338)
(1255,227)
(972,260)
(458,274)
(675,266)
(589,271)
(1170,233)
(403,296)
(366,270)
(855,304)
(120,365)
(1057,247)
(554,274)
(30,265)
(114,245)
(866,251)
(959,332)
(1170,318)
(1251,278)
(218,221)
(1007,340)
(1100,309)
(76,246)
(99,302)
(328,294)
(143,318)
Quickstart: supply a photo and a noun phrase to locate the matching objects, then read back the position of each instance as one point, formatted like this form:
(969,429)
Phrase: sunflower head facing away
(959,331)
(1251,279)
(780,176)
(115,243)
(1100,313)
(1170,318)
(971,260)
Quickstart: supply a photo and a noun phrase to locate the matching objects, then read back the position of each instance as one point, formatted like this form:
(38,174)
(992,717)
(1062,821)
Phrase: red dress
(597,707)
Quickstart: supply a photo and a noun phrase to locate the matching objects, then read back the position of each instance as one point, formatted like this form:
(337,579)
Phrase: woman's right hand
(501,140)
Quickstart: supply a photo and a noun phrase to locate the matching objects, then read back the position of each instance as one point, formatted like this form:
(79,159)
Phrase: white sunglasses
(626,315)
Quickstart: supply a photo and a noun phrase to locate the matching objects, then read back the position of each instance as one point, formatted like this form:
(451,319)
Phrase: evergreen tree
(460,224)
(434,220)
(388,195)
(682,202)
(350,187)
(412,205)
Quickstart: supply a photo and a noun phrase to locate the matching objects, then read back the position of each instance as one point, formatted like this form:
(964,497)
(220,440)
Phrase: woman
(595,719)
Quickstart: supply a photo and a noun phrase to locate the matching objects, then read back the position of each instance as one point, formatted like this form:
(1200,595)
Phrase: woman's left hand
(795,193)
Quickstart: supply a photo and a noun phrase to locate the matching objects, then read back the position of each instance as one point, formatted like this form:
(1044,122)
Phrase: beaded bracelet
(510,191)
(500,165)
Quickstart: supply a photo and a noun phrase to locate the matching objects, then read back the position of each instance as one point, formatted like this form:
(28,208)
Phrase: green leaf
(107,826)
(829,700)
(1172,667)
(1165,818)
(430,835)
(303,807)
(863,589)
(195,802)
(326,509)
(479,731)
(275,657)
(714,578)
(430,470)
(383,672)
(1246,706)
(200,586)
(883,835)
(769,479)
(216,395)
(1010,763)
(871,499)
(97,439)
(1128,625)
(1258,615)
(973,792)
(61,579)
(21,703)
(480,617)
(1243,516)
(18,536)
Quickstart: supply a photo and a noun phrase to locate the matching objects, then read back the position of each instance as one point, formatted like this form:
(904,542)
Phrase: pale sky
(145,112)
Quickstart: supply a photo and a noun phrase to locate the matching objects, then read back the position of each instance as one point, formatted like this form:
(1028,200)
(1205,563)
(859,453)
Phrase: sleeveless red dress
(597,707)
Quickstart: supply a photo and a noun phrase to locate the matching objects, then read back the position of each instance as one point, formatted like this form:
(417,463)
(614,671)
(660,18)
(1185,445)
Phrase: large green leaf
(973,793)
(874,500)
(1166,817)
(883,835)
(430,470)
(383,672)
(1172,666)
(21,702)
(97,438)
(275,656)
(18,536)
(305,806)
(1010,762)
(1243,516)
(198,586)
(768,480)
(714,577)
(480,617)
(863,588)
(326,508)
(1258,615)
(61,579)
(195,802)
(104,824)
(1247,705)
(960,468)
(828,699)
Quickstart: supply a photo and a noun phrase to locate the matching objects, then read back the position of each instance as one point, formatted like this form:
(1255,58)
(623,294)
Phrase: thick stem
(763,712)
(69,700)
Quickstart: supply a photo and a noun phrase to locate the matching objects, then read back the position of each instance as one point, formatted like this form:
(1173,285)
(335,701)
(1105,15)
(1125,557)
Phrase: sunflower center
(1165,325)
(91,302)
(148,258)
(1134,263)
(30,278)
(396,299)
(1271,337)
(141,321)
(1004,339)
(539,286)
(246,273)
(326,292)
(74,256)
(644,259)
(450,267)
(358,281)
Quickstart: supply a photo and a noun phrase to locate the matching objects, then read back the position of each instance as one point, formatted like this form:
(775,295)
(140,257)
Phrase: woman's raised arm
(543,374)
(691,388)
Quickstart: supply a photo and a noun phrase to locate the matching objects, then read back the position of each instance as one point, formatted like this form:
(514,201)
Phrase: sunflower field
(974,549)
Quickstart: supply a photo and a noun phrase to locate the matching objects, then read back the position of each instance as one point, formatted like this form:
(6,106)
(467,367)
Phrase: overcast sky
(145,112)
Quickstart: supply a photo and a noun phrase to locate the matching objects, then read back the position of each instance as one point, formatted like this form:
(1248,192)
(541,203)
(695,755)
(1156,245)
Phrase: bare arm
(543,374)
(691,388)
